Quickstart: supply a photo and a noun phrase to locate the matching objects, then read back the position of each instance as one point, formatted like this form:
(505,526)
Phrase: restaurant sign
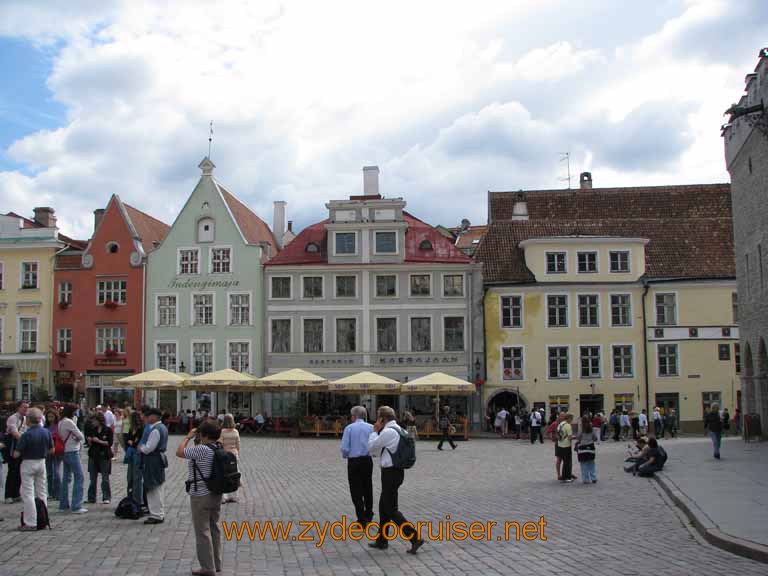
(110,361)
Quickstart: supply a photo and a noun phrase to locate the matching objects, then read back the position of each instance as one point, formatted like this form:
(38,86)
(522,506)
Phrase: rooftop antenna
(566,157)
(210,140)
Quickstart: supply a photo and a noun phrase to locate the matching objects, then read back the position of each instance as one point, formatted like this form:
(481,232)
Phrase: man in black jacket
(714,427)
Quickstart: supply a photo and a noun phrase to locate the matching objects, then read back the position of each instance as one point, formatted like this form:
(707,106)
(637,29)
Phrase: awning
(365,382)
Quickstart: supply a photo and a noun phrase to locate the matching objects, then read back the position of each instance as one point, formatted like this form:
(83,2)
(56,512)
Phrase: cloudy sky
(450,99)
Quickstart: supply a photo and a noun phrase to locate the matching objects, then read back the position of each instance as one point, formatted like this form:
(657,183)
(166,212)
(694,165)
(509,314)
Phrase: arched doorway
(508,399)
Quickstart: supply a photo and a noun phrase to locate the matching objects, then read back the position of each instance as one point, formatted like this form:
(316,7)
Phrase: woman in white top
(118,432)
(230,441)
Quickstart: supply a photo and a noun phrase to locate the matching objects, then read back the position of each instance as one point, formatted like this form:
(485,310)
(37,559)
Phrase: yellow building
(611,298)
(27,249)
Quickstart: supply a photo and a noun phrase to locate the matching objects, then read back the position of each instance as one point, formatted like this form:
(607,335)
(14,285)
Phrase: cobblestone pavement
(621,525)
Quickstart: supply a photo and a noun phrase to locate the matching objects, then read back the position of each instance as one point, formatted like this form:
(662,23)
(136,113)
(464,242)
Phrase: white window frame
(250,307)
(37,274)
(65,339)
(324,348)
(322,287)
(613,361)
(193,316)
(290,287)
(192,354)
(290,336)
(112,327)
(600,361)
(111,291)
(357,243)
(578,310)
(19,336)
(629,262)
(463,284)
(178,261)
(677,308)
(357,332)
(464,333)
(250,353)
(597,261)
(397,286)
(335,293)
(397,333)
(678,361)
(567,310)
(157,353)
(631,309)
(64,292)
(231,260)
(397,243)
(431,285)
(432,347)
(570,361)
(522,311)
(157,309)
(501,363)
(546,261)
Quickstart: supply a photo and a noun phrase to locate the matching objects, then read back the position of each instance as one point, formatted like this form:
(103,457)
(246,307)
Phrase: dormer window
(425,245)
(312,248)
(620,261)
(205,230)
(587,262)
(556,263)
(386,242)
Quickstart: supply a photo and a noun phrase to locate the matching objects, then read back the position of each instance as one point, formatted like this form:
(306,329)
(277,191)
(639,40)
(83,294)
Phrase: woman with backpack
(230,441)
(53,461)
(586,451)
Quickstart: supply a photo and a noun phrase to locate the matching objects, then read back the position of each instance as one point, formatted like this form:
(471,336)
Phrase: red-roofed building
(98,329)
(372,287)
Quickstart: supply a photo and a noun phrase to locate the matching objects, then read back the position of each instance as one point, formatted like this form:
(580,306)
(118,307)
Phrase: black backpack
(405,455)
(128,508)
(225,477)
(43,521)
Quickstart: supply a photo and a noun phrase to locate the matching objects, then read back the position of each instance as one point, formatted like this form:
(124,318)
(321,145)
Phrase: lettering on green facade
(202,284)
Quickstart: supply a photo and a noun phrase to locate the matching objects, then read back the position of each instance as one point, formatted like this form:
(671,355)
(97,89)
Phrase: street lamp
(182,367)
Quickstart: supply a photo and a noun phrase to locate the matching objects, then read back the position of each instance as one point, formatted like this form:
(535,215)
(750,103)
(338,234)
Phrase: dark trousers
(96,467)
(566,454)
(13,478)
(391,479)
(536,433)
(446,437)
(360,475)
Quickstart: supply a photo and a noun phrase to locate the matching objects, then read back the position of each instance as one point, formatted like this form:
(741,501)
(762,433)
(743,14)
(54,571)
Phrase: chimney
(520,207)
(278,222)
(290,226)
(98,214)
(585,180)
(371,181)
(45,217)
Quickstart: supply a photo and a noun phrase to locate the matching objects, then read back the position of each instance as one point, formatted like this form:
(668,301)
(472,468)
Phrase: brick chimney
(585,180)
(98,215)
(45,217)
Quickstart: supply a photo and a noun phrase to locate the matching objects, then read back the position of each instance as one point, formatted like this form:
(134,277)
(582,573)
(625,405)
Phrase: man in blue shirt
(354,447)
(34,445)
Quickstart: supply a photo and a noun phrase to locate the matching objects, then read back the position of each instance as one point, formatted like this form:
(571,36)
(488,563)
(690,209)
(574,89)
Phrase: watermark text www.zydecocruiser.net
(319,532)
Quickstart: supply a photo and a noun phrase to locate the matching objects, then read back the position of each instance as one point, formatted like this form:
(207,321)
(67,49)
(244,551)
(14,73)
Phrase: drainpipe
(645,349)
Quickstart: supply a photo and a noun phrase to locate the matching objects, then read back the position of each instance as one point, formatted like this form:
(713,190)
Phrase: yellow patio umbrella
(157,378)
(438,383)
(223,379)
(294,380)
(365,382)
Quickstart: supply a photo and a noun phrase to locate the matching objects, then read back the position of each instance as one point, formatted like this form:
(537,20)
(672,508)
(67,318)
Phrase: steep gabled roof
(151,231)
(253,228)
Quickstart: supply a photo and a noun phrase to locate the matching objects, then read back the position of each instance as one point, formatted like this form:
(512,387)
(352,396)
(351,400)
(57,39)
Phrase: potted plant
(61,354)
(110,353)
(110,304)
(63,305)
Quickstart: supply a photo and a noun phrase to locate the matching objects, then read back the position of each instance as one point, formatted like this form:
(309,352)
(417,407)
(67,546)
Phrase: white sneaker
(80,511)
(105,501)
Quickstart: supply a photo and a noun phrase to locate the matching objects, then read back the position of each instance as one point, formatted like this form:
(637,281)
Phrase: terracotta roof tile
(253,228)
(151,231)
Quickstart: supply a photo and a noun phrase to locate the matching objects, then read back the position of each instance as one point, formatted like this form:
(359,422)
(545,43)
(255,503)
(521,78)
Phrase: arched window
(425,245)
(206,229)
(312,248)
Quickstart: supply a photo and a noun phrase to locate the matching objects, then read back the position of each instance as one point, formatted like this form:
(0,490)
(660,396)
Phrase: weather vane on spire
(210,138)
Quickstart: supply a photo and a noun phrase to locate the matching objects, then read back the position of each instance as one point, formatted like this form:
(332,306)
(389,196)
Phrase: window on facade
(189,261)
(735,306)
(166,356)
(622,361)
(667,358)
(724,352)
(110,338)
(386,286)
(206,230)
(166,310)
(590,361)
(709,398)
(621,310)
(737,357)
(281,287)
(589,310)
(345,242)
(281,335)
(239,309)
(313,335)
(346,286)
(239,356)
(421,334)
(28,328)
(624,402)
(64,340)
(512,362)
(202,357)
(512,311)
(28,382)
(386,334)
(386,242)
(587,262)
(28,275)
(112,291)
(453,336)
(346,335)
(620,261)
(312,287)
(203,308)
(557,311)
(65,292)
(556,263)
(558,362)
(665,309)
(221,261)
(453,285)
(420,285)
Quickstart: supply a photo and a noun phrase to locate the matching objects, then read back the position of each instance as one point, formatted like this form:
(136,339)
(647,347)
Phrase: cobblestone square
(621,525)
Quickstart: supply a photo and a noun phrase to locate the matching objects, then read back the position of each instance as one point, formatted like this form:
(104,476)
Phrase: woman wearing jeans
(714,427)
(53,461)
(73,439)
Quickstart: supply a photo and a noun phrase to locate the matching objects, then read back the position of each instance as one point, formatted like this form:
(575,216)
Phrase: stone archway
(506,397)
(747,380)
(761,383)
